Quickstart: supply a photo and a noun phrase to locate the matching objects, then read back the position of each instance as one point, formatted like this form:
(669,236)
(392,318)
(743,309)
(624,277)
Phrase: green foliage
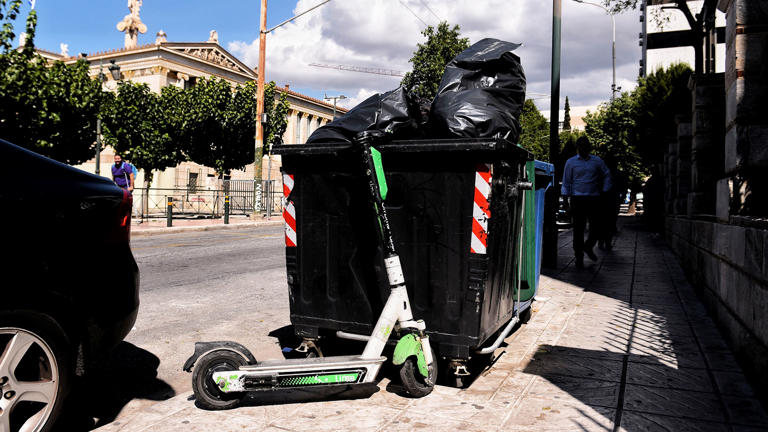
(49,109)
(276,108)
(430,58)
(567,115)
(221,124)
(660,97)
(612,131)
(140,129)
(618,6)
(534,136)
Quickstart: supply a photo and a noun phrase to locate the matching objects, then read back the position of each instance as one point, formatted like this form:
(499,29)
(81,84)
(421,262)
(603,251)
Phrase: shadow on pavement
(97,399)
(640,347)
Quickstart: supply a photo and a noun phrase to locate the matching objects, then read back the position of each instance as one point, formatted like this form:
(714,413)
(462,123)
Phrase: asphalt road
(208,286)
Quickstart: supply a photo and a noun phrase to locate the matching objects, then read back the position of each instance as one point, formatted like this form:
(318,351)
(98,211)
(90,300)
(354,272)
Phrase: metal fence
(246,197)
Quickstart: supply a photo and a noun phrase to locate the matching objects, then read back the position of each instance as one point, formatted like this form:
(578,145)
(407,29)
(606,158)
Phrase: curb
(196,228)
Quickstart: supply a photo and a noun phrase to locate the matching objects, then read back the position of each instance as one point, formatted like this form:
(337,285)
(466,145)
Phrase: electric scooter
(225,371)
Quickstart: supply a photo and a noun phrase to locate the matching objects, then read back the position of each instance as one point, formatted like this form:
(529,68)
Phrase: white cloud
(384,34)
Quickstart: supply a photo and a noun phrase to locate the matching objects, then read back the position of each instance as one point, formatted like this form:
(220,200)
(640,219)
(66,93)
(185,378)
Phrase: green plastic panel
(529,237)
(379,173)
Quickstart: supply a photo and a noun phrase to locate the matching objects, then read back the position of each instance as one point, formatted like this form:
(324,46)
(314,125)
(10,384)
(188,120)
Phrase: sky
(369,33)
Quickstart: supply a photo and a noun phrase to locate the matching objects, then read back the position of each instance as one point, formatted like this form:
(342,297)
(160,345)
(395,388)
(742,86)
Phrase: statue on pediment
(132,25)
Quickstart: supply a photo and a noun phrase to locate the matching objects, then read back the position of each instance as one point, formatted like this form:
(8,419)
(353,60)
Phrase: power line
(375,71)
(413,13)
(431,11)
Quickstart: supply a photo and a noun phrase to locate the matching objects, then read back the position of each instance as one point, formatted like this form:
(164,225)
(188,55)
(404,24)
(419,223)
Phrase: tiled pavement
(621,345)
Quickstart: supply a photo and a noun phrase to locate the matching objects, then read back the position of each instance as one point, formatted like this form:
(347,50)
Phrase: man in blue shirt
(122,174)
(585,178)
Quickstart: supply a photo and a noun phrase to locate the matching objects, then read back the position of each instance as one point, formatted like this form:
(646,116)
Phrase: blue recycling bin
(545,178)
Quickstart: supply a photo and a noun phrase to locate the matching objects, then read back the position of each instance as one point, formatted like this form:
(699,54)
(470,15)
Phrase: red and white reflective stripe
(289,212)
(482,210)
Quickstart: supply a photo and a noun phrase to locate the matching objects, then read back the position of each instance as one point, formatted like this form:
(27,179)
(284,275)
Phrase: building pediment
(211,53)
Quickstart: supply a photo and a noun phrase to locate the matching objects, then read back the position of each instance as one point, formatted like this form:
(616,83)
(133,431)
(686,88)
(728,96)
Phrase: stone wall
(728,265)
(717,188)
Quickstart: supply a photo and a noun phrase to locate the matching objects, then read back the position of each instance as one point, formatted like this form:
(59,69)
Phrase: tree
(613,134)
(140,125)
(48,108)
(220,125)
(660,97)
(534,136)
(220,122)
(276,108)
(567,116)
(430,58)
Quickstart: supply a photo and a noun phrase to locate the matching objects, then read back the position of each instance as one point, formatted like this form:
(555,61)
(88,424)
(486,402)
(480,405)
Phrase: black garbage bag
(395,113)
(481,94)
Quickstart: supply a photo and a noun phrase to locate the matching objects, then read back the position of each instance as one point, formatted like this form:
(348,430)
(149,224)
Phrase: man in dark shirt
(585,177)
(122,174)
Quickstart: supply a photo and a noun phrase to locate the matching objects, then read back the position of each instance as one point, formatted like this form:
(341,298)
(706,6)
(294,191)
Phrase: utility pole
(260,116)
(260,93)
(553,194)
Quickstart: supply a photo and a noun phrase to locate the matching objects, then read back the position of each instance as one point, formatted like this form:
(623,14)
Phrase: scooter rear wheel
(207,392)
(414,382)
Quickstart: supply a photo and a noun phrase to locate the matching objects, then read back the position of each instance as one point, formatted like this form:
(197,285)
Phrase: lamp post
(614,89)
(334,98)
(102,80)
(549,258)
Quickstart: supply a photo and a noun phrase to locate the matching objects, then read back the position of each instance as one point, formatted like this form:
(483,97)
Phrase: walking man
(585,178)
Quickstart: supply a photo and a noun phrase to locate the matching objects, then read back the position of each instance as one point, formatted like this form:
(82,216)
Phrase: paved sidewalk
(621,345)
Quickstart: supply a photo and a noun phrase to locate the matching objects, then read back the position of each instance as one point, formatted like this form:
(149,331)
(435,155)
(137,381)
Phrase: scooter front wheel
(414,382)
(207,392)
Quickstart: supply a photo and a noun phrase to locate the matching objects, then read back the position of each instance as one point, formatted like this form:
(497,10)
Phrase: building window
(192,182)
(298,129)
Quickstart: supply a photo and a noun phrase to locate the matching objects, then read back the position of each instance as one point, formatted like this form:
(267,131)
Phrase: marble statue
(132,25)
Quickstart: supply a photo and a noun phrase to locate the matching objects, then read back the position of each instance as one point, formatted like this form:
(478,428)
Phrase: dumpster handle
(352,336)
(359,337)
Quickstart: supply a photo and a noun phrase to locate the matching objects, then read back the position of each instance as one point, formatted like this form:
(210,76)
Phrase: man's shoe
(591,254)
(580,263)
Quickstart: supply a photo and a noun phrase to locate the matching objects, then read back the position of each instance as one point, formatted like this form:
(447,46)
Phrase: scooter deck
(312,363)
(295,373)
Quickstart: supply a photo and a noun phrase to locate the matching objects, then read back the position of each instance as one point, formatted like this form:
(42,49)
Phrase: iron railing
(246,197)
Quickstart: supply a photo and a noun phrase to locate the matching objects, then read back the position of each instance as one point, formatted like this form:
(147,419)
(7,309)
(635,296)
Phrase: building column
(708,142)
(745,190)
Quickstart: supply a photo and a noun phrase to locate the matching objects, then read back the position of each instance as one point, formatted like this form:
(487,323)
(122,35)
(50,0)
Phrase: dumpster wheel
(414,382)
(206,391)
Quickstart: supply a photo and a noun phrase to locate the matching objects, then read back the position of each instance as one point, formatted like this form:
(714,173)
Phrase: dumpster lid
(542,167)
(405,146)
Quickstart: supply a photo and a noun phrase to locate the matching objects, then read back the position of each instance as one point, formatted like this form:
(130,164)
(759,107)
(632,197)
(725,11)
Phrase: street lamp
(614,89)
(334,98)
(114,70)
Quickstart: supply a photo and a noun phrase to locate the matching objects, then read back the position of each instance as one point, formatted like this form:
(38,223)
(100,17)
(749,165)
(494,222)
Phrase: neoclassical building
(181,64)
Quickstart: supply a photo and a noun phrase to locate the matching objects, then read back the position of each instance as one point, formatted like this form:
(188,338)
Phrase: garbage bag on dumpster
(481,94)
(393,112)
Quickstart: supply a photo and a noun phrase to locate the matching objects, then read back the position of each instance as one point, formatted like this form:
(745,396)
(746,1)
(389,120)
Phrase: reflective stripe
(289,212)
(481,211)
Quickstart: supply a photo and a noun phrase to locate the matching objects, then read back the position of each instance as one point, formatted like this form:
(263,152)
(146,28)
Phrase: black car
(68,281)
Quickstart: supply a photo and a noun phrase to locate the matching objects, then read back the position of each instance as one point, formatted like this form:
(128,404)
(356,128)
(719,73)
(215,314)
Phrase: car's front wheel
(34,371)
